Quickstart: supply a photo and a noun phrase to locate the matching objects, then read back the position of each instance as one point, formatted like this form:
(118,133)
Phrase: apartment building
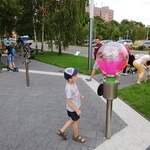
(105,13)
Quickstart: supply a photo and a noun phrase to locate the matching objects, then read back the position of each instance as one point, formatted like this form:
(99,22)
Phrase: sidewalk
(31,116)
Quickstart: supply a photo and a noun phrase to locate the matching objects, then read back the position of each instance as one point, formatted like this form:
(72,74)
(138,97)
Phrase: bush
(142,48)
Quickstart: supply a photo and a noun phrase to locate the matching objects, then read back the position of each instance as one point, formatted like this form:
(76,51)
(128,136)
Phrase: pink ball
(112,58)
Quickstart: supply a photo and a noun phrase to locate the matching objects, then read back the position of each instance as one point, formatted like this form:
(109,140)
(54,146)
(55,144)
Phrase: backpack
(13,51)
(100,90)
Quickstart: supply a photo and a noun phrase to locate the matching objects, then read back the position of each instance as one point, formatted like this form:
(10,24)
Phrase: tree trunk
(42,44)
(43,20)
(59,52)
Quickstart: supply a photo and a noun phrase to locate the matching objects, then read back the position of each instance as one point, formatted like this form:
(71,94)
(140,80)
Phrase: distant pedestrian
(129,53)
(10,57)
(73,103)
(95,66)
(140,64)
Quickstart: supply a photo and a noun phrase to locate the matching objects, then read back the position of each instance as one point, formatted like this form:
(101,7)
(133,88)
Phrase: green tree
(116,34)
(8,12)
(24,17)
(65,22)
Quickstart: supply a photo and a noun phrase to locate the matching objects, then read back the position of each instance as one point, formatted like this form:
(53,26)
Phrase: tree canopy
(62,21)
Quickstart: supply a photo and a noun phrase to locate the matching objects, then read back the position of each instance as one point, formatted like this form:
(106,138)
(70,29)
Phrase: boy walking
(73,103)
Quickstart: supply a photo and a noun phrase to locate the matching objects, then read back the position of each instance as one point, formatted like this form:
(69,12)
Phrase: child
(148,76)
(10,57)
(73,103)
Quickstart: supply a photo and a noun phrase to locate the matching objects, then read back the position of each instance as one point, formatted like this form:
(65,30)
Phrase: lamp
(112,58)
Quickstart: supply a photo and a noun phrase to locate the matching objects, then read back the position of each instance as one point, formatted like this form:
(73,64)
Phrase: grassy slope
(138,97)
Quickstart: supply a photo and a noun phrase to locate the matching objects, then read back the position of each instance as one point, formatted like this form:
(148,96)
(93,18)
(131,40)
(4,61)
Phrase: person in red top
(95,67)
(129,52)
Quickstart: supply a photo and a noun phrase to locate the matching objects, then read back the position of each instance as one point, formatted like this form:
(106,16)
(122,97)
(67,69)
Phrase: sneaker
(88,80)
(8,68)
(124,74)
(15,70)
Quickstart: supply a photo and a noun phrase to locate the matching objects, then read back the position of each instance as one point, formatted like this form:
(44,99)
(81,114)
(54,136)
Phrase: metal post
(27,72)
(28,51)
(27,55)
(22,53)
(90,35)
(110,88)
(108,118)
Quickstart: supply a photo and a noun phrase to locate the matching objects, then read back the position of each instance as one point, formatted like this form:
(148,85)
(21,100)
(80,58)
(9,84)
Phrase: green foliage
(137,96)
(65,21)
(115,34)
(8,11)
(24,17)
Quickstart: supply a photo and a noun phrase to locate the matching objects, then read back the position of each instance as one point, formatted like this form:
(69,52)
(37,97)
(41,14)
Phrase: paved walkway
(31,116)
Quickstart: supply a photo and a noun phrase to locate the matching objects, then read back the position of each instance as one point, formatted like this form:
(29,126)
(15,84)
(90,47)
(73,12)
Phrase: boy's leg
(76,135)
(61,132)
(67,124)
(75,128)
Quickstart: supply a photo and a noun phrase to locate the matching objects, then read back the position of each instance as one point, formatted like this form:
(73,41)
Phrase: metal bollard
(27,72)
(22,53)
(110,93)
(108,118)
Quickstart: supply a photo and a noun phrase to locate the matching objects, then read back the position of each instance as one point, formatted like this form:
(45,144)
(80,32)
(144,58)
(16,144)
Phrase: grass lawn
(137,96)
(66,60)
(2,65)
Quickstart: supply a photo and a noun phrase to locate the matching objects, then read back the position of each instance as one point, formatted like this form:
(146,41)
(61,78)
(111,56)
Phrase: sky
(136,10)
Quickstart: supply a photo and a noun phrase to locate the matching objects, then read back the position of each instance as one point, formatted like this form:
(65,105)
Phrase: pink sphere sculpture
(112,58)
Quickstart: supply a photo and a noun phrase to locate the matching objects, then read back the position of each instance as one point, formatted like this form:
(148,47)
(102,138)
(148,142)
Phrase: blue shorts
(73,115)
(10,59)
(95,66)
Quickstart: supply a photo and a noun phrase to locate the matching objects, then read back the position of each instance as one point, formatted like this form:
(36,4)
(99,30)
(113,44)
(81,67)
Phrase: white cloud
(129,9)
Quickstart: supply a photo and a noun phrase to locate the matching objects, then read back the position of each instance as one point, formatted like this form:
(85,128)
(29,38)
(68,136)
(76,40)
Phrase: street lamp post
(90,35)
(147,32)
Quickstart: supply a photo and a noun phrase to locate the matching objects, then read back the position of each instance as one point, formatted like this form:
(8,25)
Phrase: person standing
(10,57)
(140,64)
(95,66)
(129,53)
(73,104)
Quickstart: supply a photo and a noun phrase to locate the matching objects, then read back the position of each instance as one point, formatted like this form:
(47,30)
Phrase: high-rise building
(105,13)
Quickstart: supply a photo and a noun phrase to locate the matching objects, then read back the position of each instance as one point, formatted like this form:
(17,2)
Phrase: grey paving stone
(31,116)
